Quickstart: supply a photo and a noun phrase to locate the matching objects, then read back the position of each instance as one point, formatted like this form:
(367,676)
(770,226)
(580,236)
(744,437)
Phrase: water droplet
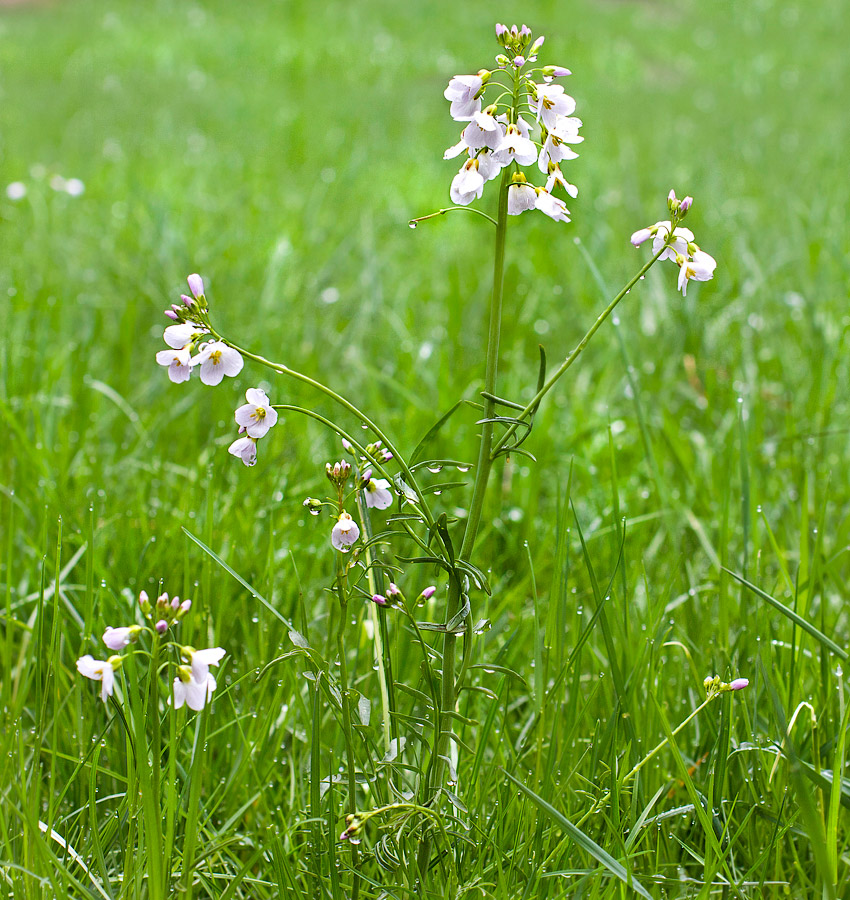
(411,224)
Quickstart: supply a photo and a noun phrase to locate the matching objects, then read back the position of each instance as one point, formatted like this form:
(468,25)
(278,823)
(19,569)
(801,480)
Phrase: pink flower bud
(162,600)
(535,47)
(161,626)
(685,205)
(501,29)
(171,314)
(519,61)
(525,31)
(187,301)
(640,236)
(143,598)
(739,684)
(429,592)
(175,603)
(393,590)
(185,606)
(346,445)
(379,599)
(196,285)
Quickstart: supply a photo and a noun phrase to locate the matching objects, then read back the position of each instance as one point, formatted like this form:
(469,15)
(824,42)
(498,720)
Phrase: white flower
(556,177)
(456,149)
(195,685)
(700,268)
(99,670)
(256,417)
(552,206)
(345,532)
(515,147)
(180,336)
(482,131)
(246,449)
(461,92)
(521,196)
(468,184)
(488,167)
(178,362)
(377,492)
(681,238)
(553,102)
(119,638)
(216,360)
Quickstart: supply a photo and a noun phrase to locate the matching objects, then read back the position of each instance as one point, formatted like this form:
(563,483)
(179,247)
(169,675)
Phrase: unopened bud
(185,606)
(115,662)
(161,626)
(175,604)
(484,75)
(379,599)
(171,314)
(196,285)
(338,472)
(144,602)
(313,504)
(346,445)
(162,600)
(502,60)
(393,590)
(518,61)
(738,684)
(187,301)
(685,205)
(428,593)
(555,72)
(535,47)
(640,236)
(501,31)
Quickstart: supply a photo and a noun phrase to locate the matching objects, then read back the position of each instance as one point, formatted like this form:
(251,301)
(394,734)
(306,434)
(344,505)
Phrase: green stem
(535,400)
(346,712)
(379,627)
(338,398)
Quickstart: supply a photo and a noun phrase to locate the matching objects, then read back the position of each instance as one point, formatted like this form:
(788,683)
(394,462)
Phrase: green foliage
(279,148)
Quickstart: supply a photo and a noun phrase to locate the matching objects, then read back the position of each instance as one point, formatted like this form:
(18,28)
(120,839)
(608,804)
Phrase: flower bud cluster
(498,135)
(394,595)
(714,685)
(213,358)
(677,244)
(193,685)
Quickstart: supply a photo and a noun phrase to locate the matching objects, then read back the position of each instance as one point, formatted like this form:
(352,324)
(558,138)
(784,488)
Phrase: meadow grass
(280,149)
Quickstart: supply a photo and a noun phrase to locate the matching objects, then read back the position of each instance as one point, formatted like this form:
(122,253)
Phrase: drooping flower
(216,360)
(180,336)
(345,532)
(377,493)
(178,362)
(482,131)
(521,196)
(468,184)
(102,670)
(256,417)
(700,268)
(551,206)
(245,448)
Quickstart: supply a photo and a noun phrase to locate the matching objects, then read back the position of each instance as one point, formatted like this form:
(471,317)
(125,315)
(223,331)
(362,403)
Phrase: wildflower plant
(384,519)
(175,675)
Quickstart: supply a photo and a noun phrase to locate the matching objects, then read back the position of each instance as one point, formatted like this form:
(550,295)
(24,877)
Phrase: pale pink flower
(461,92)
(377,493)
(700,268)
(119,638)
(194,686)
(552,103)
(521,196)
(216,360)
(256,417)
(515,147)
(468,184)
(345,532)
(245,448)
(551,206)
(102,670)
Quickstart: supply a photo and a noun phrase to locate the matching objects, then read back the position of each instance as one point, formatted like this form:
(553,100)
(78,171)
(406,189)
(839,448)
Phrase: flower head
(699,268)
(216,360)
(102,670)
(194,684)
(256,417)
(468,184)
(378,494)
(178,363)
(345,532)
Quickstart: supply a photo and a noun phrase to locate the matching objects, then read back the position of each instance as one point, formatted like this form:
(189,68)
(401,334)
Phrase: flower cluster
(499,136)
(677,244)
(214,359)
(254,419)
(193,685)
(715,685)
